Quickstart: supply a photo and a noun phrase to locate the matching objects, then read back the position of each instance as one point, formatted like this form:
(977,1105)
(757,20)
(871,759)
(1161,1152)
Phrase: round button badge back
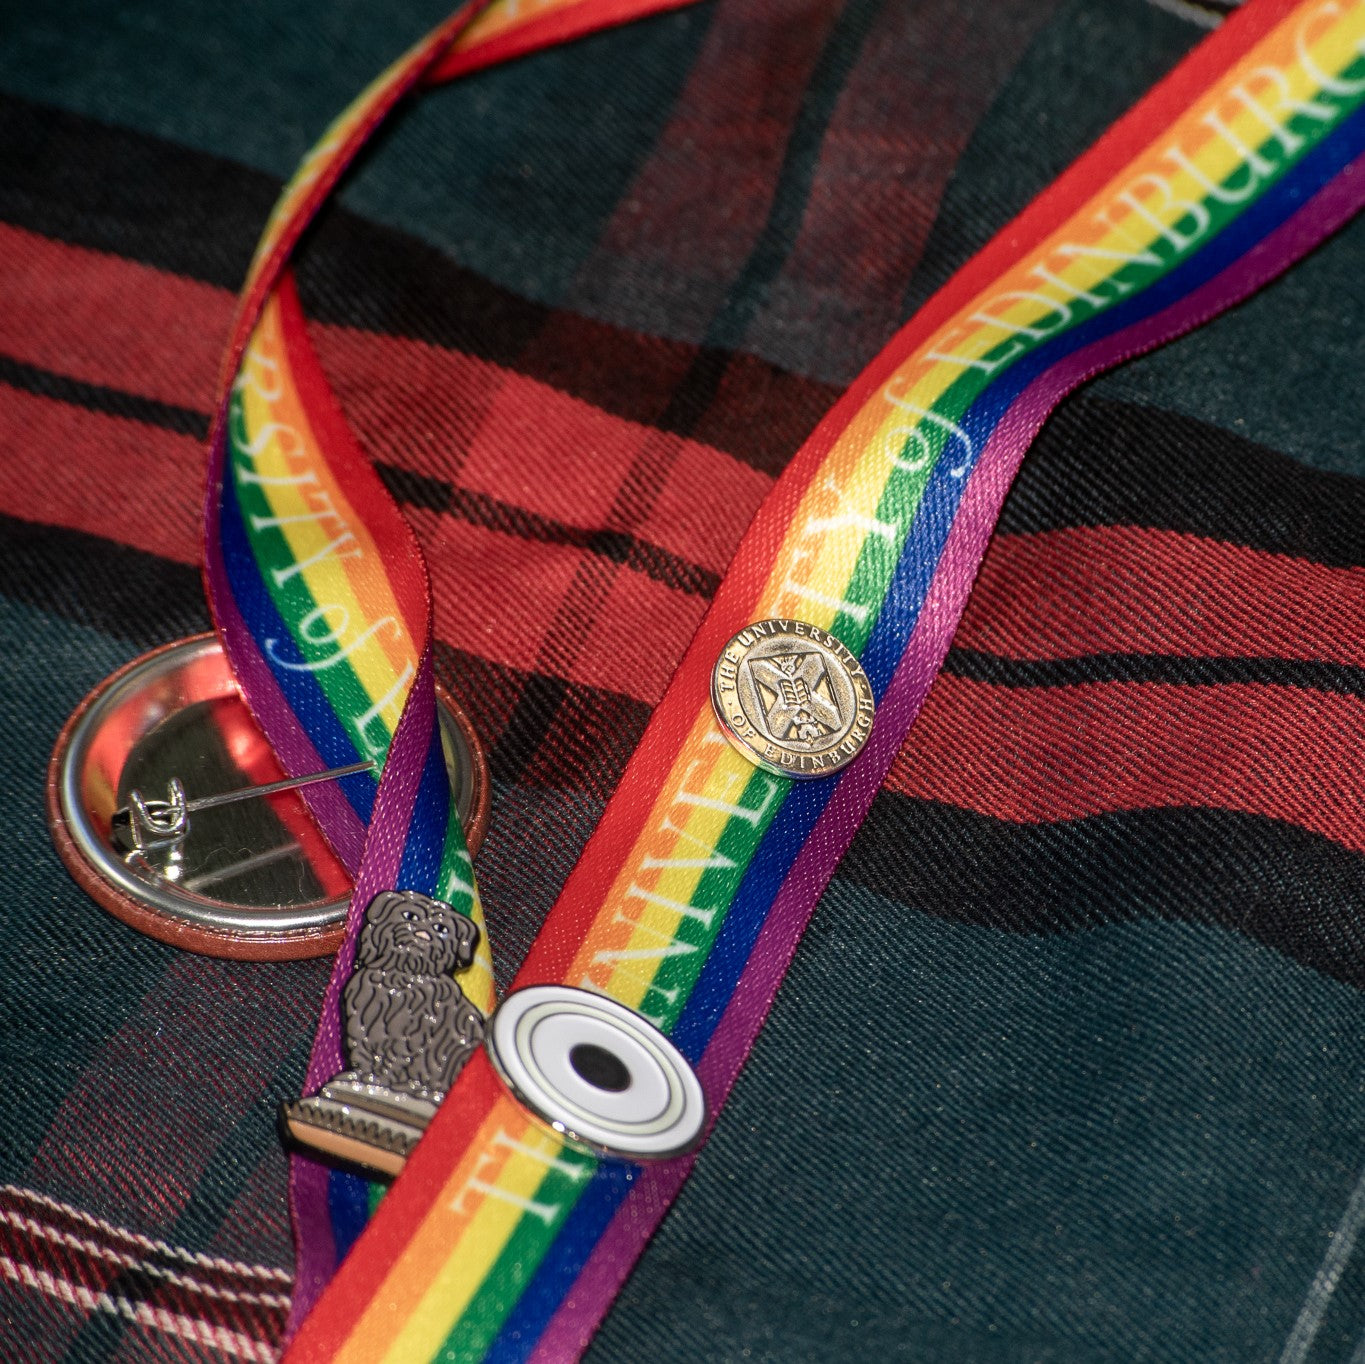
(229,863)
(792,698)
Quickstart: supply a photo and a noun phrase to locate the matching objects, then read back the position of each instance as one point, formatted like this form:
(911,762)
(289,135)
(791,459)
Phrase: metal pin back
(252,878)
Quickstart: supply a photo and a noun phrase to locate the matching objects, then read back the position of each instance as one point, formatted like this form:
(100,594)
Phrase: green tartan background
(1027,1094)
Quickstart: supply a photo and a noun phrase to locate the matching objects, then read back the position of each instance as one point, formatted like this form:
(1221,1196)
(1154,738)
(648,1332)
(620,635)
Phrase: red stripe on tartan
(1037,755)
(494,593)
(137,484)
(929,74)
(413,405)
(154,1330)
(456,418)
(64,1256)
(1125,589)
(110,321)
(53,1255)
(32,1213)
(60,298)
(635,639)
(497,596)
(560,26)
(620,826)
(118,324)
(688,221)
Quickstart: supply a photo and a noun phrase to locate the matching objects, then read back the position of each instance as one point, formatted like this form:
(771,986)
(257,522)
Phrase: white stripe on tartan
(281,1276)
(157,1318)
(127,1261)
(1194,13)
(1325,1281)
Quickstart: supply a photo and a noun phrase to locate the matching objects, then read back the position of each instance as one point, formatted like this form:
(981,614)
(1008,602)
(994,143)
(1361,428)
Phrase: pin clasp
(151,825)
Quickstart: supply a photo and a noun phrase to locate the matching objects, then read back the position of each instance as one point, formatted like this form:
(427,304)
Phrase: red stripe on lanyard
(622,824)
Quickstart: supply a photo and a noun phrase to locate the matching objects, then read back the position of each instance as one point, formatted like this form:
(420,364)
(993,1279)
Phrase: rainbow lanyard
(499,1240)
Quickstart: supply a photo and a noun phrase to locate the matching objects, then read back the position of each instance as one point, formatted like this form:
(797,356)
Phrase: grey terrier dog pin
(409,1031)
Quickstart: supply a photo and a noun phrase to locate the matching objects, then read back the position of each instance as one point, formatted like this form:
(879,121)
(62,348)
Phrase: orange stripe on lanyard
(393,1278)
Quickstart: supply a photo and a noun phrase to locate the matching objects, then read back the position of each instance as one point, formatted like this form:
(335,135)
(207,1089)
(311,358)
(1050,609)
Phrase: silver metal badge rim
(173,913)
(595,1136)
(744,748)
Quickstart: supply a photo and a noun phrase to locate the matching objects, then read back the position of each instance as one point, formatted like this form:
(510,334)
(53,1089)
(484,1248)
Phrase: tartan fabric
(1093,966)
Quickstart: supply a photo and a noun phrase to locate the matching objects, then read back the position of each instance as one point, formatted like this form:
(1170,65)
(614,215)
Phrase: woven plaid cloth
(1069,1064)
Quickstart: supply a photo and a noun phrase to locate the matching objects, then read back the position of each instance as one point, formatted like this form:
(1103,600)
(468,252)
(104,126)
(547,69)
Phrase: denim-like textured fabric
(1068,1065)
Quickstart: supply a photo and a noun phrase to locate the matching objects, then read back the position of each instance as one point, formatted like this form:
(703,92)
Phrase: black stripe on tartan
(262,1323)
(529,727)
(120,591)
(800,159)
(1089,669)
(1104,463)
(114,402)
(408,488)
(81,181)
(1162,471)
(188,212)
(1292,890)
(358,274)
(479,509)
(542,730)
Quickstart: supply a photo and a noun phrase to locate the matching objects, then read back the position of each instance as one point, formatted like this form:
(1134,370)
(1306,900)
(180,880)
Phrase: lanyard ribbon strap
(498,1240)
(319,590)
